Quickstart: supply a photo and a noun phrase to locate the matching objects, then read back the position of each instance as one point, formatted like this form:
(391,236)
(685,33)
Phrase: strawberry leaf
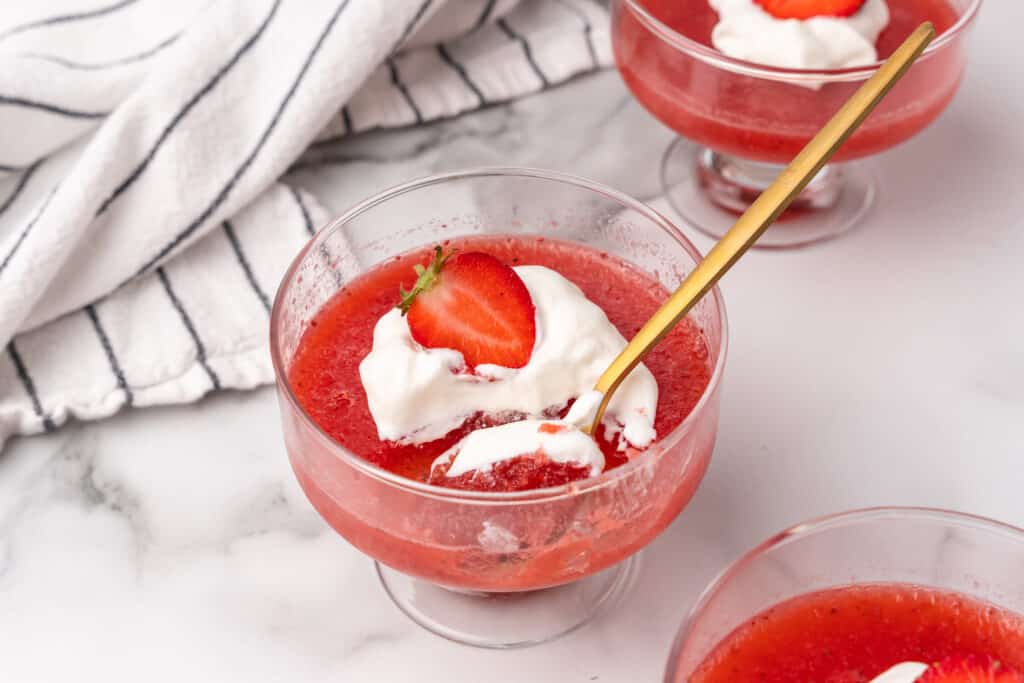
(426,277)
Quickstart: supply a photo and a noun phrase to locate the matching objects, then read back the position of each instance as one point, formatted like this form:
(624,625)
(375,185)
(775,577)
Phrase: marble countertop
(883,368)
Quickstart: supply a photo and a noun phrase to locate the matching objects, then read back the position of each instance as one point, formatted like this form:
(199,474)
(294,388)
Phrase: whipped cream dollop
(746,31)
(907,672)
(416,394)
(558,440)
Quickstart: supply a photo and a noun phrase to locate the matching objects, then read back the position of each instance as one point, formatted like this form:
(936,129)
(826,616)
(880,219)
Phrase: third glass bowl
(951,552)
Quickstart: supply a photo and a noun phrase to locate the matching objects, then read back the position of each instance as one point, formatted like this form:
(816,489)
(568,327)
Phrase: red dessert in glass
(324,372)
(750,119)
(564,545)
(858,632)
(845,598)
(771,120)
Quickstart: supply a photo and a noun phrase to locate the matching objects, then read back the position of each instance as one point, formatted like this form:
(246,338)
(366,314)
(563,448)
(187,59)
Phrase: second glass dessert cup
(749,120)
(495,569)
(951,552)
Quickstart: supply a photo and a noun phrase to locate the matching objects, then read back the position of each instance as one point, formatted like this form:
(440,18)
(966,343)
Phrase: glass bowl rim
(544,495)
(715,58)
(826,523)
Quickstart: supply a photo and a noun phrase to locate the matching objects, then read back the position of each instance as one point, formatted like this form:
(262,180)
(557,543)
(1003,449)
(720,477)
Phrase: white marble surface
(883,368)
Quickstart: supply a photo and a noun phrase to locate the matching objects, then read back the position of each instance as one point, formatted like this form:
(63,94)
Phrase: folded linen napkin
(143,223)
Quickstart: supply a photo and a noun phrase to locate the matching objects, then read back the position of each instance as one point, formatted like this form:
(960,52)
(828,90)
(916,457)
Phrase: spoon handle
(772,202)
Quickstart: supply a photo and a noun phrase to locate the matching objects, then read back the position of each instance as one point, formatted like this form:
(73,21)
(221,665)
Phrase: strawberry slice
(806,9)
(970,670)
(475,304)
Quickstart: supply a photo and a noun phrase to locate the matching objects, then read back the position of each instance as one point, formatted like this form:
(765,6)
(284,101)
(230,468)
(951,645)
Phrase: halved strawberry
(970,670)
(806,9)
(475,304)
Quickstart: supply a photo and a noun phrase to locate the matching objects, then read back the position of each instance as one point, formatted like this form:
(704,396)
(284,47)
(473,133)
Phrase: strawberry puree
(522,473)
(501,544)
(852,634)
(325,370)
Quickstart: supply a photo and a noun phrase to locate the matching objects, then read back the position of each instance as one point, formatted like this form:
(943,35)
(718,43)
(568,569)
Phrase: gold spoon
(762,213)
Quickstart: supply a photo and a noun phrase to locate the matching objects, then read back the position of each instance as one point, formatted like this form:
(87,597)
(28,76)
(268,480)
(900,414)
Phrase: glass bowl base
(710,190)
(507,620)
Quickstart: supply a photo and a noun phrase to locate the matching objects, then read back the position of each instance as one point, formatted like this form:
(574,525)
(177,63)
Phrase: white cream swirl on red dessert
(556,440)
(418,394)
(907,672)
(746,31)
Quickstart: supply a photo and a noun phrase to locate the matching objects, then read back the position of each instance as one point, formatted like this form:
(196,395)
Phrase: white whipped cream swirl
(558,441)
(416,394)
(746,31)
(907,672)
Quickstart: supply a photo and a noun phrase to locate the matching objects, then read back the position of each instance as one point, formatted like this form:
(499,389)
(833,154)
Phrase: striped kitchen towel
(143,223)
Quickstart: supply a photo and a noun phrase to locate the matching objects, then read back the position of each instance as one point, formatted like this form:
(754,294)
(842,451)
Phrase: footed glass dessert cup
(493,569)
(976,563)
(748,120)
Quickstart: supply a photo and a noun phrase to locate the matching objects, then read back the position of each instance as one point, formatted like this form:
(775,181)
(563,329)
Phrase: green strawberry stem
(426,277)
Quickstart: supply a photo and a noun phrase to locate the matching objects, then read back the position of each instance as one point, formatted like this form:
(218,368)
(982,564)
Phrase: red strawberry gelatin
(324,373)
(526,540)
(852,634)
(970,670)
(521,473)
(769,119)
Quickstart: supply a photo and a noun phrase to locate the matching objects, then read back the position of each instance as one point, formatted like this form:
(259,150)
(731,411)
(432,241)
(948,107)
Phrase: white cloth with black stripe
(143,223)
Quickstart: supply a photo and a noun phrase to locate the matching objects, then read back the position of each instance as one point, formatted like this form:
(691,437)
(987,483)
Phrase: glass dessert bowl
(851,596)
(749,119)
(492,569)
